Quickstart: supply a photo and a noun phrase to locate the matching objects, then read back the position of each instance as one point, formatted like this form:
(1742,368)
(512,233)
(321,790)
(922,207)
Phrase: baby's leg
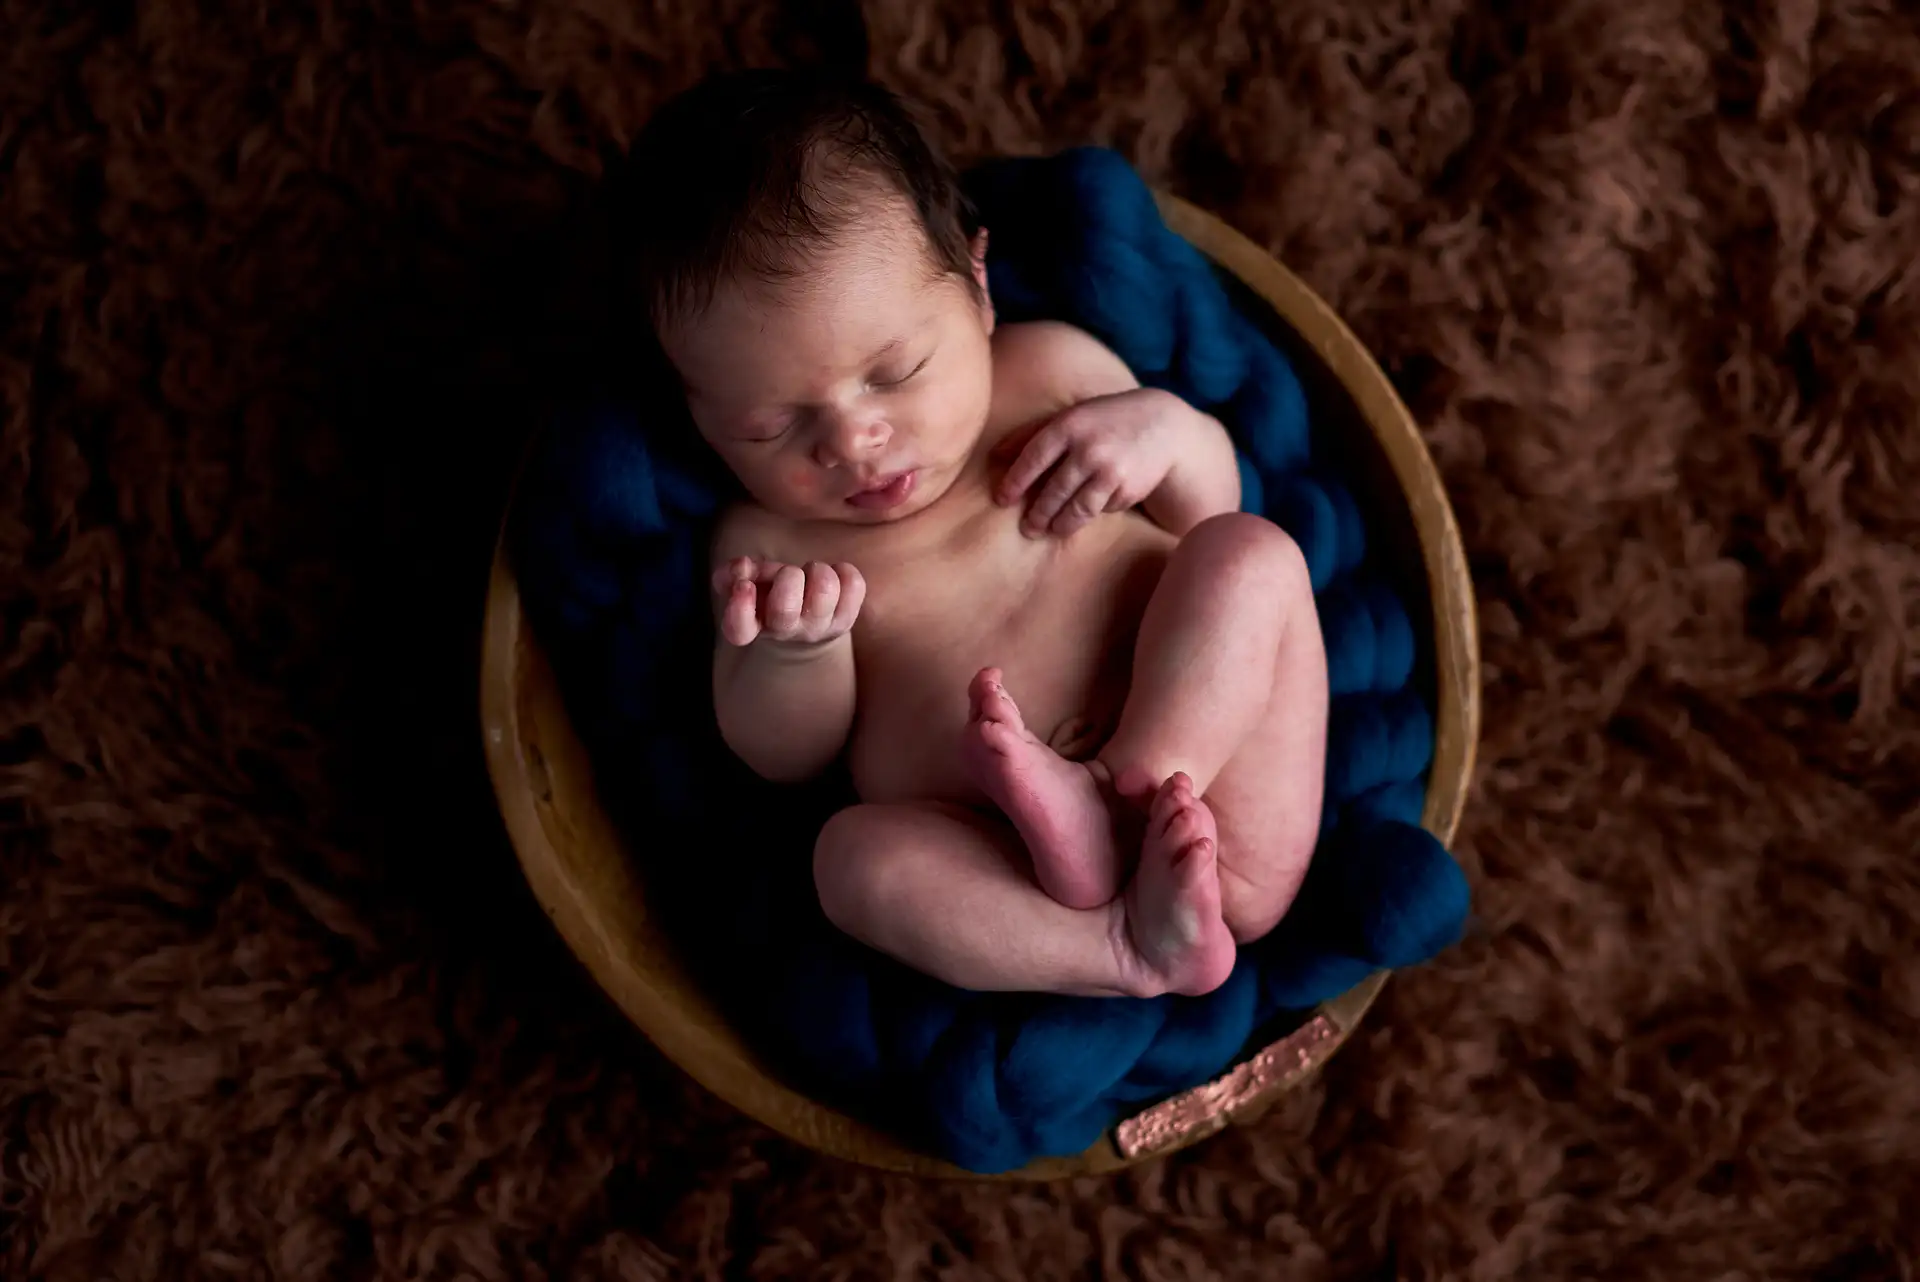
(1060,808)
(1229,687)
(945,890)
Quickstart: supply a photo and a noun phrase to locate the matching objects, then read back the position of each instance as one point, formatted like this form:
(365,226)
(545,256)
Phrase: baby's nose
(852,437)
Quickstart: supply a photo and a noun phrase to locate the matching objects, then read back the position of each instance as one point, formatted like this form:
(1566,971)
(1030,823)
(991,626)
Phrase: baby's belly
(1059,621)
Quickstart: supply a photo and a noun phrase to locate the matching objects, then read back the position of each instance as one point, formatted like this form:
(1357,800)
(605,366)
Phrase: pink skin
(1228,703)
(864,371)
(799,477)
(861,371)
(1228,692)
(1062,809)
(942,888)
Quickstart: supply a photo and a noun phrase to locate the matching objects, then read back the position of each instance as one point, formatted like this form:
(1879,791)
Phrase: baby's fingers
(784,597)
(1093,498)
(1046,448)
(853,594)
(740,619)
(1065,482)
(822,599)
(731,572)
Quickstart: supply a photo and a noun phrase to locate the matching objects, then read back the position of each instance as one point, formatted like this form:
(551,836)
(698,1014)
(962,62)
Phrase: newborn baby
(1082,698)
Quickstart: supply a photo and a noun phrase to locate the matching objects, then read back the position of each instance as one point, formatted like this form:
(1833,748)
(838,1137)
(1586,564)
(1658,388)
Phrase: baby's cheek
(799,478)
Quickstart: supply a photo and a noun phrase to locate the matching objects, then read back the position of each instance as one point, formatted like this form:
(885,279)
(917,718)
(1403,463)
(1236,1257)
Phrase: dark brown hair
(746,172)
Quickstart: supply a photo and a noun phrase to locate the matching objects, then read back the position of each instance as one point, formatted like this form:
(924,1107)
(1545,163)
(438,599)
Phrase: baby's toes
(998,705)
(982,685)
(977,693)
(1194,862)
(1001,737)
(1186,826)
(1175,795)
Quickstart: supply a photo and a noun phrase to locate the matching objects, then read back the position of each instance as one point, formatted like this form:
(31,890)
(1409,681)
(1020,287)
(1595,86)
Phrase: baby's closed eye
(896,381)
(766,431)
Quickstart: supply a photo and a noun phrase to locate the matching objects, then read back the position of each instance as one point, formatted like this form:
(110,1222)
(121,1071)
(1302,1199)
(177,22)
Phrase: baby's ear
(979,252)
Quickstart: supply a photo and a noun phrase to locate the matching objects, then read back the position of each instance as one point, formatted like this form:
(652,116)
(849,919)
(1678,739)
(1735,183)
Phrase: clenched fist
(790,604)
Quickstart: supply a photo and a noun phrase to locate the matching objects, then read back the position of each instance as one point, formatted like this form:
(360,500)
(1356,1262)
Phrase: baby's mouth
(885,492)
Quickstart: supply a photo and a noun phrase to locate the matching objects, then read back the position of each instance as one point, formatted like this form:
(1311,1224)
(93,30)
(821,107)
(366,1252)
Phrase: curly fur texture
(280,290)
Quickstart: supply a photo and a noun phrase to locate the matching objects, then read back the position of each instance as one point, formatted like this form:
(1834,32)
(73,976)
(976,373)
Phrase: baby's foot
(1173,905)
(1055,804)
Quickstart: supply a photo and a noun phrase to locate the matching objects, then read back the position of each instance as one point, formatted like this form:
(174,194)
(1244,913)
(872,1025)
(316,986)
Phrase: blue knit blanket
(610,540)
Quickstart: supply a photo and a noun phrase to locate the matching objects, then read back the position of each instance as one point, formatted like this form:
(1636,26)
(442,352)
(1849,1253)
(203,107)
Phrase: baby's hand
(1105,455)
(787,604)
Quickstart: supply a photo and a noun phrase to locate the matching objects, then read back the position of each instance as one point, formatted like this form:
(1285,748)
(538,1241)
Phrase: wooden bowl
(583,873)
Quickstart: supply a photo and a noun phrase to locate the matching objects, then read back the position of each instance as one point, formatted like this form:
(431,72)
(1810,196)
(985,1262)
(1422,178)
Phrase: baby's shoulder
(1055,361)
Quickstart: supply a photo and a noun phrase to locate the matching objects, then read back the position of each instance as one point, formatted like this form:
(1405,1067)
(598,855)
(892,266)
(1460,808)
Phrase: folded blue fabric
(610,544)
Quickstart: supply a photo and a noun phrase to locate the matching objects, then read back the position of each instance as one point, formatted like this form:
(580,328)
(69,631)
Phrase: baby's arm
(783,681)
(1204,480)
(1114,444)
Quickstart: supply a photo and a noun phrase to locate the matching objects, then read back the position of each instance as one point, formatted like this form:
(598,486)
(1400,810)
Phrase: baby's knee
(852,867)
(1240,545)
(839,865)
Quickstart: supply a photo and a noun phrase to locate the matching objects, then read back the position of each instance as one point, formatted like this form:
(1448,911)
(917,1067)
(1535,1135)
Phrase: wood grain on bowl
(583,873)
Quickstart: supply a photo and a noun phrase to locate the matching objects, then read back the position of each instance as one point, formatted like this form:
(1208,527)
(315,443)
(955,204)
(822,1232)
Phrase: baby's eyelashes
(765,434)
(906,377)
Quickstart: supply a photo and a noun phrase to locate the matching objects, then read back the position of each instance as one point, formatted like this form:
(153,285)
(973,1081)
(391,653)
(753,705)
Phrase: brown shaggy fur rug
(278,292)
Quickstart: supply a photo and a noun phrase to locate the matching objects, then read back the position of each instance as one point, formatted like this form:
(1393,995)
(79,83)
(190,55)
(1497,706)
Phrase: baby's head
(817,279)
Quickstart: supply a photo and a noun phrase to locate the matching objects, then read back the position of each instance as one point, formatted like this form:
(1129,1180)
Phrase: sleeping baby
(1082,698)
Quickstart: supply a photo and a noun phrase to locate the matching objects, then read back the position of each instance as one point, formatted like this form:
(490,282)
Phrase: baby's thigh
(878,867)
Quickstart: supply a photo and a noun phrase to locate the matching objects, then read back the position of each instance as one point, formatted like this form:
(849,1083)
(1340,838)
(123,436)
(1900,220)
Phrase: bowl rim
(695,1036)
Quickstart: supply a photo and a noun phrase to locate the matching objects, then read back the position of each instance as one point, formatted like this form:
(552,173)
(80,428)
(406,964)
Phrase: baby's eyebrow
(886,349)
